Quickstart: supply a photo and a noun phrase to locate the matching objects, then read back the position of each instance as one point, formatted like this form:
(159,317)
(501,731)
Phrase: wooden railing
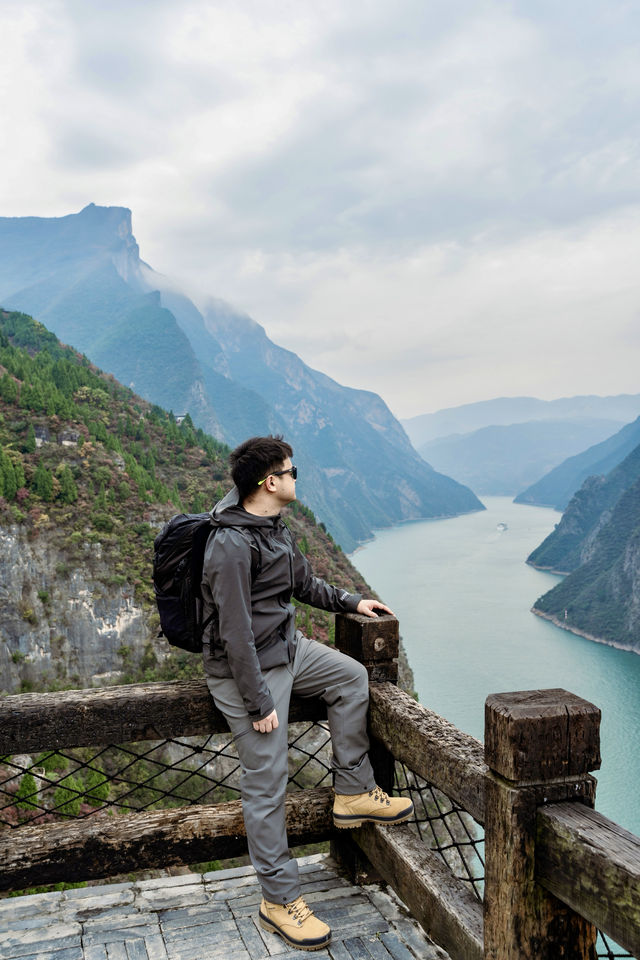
(555,869)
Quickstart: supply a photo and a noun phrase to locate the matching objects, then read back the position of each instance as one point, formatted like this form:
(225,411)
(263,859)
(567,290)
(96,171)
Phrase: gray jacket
(252,568)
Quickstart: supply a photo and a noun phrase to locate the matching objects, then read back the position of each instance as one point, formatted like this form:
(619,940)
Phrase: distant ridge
(557,487)
(504,446)
(504,411)
(501,460)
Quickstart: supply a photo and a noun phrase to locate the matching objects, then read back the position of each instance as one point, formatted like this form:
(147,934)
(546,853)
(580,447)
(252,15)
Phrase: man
(254,658)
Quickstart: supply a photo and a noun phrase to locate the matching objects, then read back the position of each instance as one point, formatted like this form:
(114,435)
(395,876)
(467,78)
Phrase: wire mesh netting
(81,782)
(445,827)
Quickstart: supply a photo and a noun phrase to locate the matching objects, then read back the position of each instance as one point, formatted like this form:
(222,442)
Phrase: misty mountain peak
(82,276)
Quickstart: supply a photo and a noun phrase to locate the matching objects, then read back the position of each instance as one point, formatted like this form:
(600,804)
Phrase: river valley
(463,594)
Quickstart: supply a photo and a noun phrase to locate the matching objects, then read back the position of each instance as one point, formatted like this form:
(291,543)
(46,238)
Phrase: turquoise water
(463,594)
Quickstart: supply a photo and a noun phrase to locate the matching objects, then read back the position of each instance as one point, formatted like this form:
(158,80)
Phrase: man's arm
(313,590)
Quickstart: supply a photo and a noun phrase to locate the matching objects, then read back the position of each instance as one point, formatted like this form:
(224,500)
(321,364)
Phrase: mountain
(598,539)
(504,411)
(89,472)
(82,276)
(590,509)
(557,487)
(500,460)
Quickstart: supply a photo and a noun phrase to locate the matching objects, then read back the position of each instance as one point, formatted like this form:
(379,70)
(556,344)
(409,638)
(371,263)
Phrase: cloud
(553,314)
(391,189)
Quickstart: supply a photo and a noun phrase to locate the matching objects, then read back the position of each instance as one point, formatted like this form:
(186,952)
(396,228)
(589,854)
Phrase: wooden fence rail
(554,867)
(34,722)
(593,865)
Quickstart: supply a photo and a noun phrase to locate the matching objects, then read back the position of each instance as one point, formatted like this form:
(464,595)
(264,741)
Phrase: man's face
(286,485)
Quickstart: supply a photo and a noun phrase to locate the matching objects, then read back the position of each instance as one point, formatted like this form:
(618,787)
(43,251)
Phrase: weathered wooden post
(375,643)
(539,746)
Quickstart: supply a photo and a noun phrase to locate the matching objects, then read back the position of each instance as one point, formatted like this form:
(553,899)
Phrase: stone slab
(23,942)
(70,953)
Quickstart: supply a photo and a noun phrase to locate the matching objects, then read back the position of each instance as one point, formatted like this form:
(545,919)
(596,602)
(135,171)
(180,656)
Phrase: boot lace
(299,910)
(379,796)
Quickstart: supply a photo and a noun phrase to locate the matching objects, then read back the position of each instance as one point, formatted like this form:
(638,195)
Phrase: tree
(30,441)
(9,480)
(18,467)
(68,796)
(43,483)
(27,795)
(51,761)
(8,389)
(68,489)
(101,499)
(96,785)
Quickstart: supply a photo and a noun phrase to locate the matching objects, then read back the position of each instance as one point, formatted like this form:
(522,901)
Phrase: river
(463,594)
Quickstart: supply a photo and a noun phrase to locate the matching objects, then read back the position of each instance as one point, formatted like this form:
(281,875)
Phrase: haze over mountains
(82,276)
(505,446)
(558,486)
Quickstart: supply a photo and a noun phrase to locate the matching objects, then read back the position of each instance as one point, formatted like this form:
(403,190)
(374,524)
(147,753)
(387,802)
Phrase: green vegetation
(68,796)
(106,453)
(27,795)
(47,888)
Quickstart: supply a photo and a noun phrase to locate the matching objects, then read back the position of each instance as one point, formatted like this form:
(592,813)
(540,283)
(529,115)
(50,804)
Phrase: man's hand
(368,607)
(267,724)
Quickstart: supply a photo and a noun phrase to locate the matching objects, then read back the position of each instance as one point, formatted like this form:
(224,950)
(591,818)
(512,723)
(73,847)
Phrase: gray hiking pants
(343,684)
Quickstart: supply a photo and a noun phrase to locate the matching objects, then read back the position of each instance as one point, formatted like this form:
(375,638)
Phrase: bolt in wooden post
(539,746)
(375,643)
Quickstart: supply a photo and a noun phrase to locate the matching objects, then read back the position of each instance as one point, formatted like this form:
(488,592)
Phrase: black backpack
(177,573)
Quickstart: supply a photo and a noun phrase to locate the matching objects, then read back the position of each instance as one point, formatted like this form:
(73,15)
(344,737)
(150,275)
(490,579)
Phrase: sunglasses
(279,473)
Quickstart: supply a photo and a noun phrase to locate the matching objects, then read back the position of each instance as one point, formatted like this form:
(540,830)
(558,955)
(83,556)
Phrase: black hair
(255,459)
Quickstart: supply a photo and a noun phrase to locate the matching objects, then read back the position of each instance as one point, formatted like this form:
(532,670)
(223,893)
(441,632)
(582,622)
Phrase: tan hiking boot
(295,923)
(372,807)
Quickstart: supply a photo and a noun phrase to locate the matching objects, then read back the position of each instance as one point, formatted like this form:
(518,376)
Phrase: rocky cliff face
(64,626)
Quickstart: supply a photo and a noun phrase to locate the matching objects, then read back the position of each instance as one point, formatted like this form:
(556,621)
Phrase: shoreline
(582,633)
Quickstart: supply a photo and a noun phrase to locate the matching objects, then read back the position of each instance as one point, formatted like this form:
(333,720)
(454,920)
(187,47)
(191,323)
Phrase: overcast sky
(438,201)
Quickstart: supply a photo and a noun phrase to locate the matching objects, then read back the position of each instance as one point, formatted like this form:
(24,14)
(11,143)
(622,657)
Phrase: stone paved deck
(205,917)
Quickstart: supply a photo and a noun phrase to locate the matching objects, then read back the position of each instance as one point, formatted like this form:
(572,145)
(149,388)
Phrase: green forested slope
(597,543)
(601,598)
